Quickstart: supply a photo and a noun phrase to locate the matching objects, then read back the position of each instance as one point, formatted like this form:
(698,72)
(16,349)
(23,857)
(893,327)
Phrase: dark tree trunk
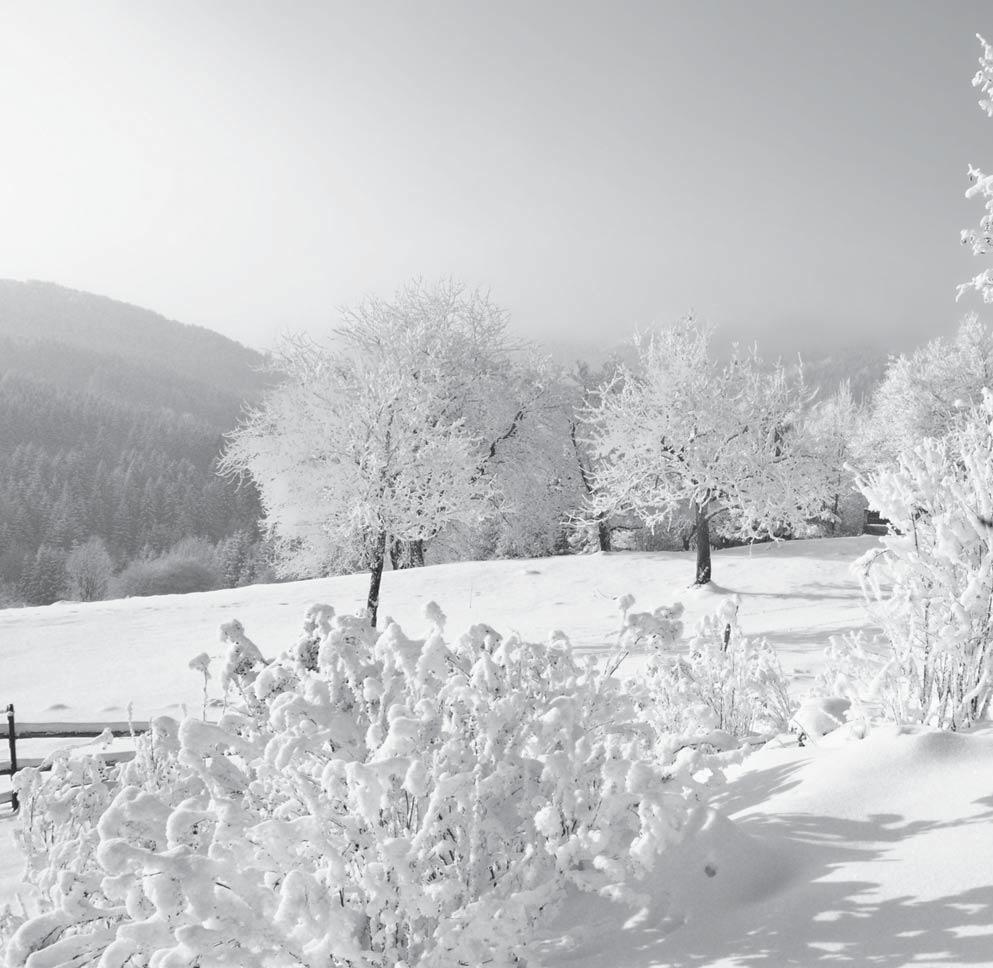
(406,554)
(603,534)
(687,536)
(702,546)
(376,578)
(416,553)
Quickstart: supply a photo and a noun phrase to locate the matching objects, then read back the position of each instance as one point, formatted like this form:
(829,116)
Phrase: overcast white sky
(792,170)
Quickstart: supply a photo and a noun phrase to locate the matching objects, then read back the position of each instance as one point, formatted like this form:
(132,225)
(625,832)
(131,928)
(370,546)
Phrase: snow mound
(818,715)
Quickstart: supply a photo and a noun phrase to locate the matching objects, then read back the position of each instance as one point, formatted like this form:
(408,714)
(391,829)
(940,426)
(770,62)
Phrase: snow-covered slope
(74,661)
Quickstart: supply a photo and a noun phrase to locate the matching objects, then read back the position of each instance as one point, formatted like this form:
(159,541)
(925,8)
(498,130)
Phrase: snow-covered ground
(74,661)
(854,852)
(870,851)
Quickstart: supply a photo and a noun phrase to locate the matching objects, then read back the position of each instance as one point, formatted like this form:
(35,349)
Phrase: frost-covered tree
(349,454)
(373,448)
(836,425)
(592,520)
(537,480)
(930,583)
(681,429)
(981,240)
(89,571)
(922,393)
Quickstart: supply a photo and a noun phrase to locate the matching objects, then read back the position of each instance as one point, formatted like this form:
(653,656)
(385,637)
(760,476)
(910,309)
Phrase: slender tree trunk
(603,533)
(416,553)
(376,578)
(702,546)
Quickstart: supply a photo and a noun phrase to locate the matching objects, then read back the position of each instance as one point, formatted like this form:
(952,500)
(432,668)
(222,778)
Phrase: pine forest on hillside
(109,440)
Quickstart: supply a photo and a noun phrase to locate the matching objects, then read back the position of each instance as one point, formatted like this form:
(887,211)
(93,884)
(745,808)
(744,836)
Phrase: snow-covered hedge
(365,800)
(929,585)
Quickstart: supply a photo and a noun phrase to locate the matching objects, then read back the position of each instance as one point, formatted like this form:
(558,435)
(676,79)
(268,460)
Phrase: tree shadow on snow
(815,638)
(809,591)
(795,917)
(757,786)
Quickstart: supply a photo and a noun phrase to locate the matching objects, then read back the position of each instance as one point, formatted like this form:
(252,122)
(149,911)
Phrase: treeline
(76,466)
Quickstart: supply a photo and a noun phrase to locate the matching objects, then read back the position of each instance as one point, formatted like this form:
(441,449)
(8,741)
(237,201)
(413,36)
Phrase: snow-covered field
(850,852)
(74,661)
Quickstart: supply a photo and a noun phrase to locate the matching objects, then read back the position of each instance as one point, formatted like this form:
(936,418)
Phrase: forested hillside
(111,421)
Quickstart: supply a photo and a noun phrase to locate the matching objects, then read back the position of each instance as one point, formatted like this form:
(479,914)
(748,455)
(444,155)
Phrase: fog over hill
(78,340)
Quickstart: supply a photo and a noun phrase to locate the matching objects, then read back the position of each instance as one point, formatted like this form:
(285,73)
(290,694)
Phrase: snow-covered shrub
(879,682)
(383,802)
(661,628)
(725,682)
(167,575)
(930,583)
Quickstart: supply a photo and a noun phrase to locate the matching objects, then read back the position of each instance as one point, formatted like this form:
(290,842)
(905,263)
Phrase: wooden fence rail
(22,731)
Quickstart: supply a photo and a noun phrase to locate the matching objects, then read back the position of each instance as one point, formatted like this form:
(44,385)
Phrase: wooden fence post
(12,743)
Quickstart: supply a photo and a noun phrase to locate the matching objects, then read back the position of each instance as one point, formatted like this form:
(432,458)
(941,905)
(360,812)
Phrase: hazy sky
(794,171)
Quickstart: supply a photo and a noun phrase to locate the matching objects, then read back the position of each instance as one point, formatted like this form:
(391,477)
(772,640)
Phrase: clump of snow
(820,715)
(201,663)
(434,614)
(658,629)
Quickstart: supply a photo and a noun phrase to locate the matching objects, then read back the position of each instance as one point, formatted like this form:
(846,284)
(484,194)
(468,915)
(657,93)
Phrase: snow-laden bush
(364,800)
(725,682)
(930,583)
(167,575)
(659,629)
(878,681)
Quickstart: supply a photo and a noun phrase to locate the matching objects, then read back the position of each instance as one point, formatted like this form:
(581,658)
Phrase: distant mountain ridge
(83,341)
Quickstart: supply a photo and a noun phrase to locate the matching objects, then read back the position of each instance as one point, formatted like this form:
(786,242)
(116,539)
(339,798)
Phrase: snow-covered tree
(592,522)
(836,425)
(89,571)
(981,240)
(348,454)
(922,393)
(727,440)
(373,448)
(930,583)
(537,478)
